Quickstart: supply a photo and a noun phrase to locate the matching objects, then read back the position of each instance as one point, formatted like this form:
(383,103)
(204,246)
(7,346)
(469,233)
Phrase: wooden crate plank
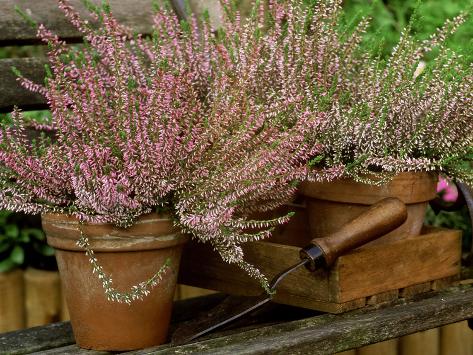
(356,275)
(11,93)
(410,291)
(384,297)
(402,263)
(270,258)
(444,283)
(14,30)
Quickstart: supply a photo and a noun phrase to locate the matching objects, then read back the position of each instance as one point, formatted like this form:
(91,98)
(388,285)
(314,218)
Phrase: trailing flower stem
(137,292)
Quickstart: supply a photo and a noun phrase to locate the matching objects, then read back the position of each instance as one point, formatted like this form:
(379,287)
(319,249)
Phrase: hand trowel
(380,219)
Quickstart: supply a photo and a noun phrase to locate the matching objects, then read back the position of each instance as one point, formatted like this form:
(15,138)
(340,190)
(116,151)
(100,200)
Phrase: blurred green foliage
(452,220)
(23,243)
(390,17)
(22,51)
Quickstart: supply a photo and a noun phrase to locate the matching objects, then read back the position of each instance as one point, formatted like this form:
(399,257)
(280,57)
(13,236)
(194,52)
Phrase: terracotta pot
(331,204)
(131,256)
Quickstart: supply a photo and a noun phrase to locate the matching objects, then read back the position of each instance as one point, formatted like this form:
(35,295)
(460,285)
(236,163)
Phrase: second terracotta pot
(131,256)
(331,204)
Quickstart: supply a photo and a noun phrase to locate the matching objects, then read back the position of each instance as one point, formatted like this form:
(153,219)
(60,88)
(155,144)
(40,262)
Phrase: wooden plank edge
(36,339)
(335,333)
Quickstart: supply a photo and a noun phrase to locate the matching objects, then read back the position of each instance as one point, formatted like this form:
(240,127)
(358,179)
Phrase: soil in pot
(131,256)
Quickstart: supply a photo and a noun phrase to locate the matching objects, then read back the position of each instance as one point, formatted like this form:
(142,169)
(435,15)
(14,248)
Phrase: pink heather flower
(447,189)
(201,125)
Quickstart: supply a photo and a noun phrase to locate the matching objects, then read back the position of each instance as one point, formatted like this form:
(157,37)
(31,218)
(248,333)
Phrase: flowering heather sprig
(145,123)
(386,117)
(137,292)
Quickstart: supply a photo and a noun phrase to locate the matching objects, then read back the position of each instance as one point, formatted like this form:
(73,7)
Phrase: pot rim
(409,187)
(150,232)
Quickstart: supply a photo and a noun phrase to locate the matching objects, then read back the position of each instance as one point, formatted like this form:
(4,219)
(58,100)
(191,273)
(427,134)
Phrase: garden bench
(276,328)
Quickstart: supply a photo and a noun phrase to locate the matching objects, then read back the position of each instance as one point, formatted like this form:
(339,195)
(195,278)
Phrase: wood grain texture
(456,339)
(59,335)
(388,347)
(12,309)
(444,283)
(384,297)
(319,334)
(214,274)
(42,297)
(327,334)
(426,342)
(14,30)
(36,339)
(71,350)
(411,291)
(400,264)
(11,93)
(355,276)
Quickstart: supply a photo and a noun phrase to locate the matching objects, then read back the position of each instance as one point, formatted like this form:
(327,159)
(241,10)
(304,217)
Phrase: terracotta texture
(131,256)
(330,205)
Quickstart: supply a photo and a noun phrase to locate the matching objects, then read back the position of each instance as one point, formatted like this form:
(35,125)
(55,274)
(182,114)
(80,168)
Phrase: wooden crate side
(323,306)
(400,264)
(202,267)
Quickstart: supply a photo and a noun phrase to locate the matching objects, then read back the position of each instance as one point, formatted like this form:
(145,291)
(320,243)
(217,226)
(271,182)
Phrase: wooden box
(371,274)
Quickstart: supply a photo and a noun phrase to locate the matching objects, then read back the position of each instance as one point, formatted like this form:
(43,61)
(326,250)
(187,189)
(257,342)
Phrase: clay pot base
(100,324)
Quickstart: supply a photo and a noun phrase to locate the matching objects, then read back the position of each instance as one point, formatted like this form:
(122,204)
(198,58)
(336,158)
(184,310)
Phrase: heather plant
(394,119)
(376,116)
(145,124)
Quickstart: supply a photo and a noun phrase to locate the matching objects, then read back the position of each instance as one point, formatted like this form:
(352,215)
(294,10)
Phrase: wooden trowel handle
(381,218)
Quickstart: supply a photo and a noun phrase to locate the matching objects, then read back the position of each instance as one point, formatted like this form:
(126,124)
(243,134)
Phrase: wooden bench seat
(277,328)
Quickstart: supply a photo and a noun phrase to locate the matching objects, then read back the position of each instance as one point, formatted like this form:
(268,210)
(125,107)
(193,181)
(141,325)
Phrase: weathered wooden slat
(321,334)
(14,30)
(327,334)
(11,93)
(35,339)
(59,335)
(70,350)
